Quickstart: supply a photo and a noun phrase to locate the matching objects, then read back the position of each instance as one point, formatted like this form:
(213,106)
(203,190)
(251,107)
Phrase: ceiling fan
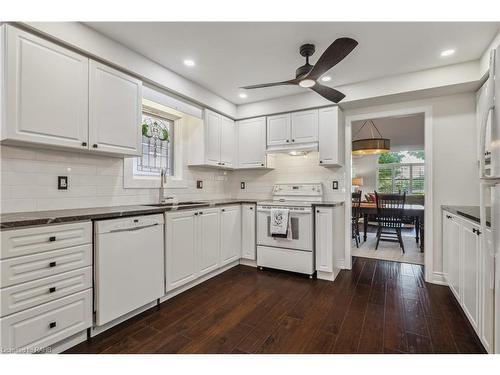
(307,75)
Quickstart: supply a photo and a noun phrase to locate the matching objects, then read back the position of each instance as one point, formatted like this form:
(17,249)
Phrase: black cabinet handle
(262,164)
(196,214)
(94,145)
(287,141)
(52,289)
(84,144)
(293,140)
(52,324)
(52,238)
(201,213)
(448,216)
(317,211)
(52,264)
(223,210)
(321,161)
(251,208)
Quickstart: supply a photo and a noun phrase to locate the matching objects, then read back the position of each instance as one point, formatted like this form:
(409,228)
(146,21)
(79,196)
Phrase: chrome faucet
(163,180)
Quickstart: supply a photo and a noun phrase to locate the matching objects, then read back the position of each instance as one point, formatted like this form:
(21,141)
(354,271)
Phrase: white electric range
(295,253)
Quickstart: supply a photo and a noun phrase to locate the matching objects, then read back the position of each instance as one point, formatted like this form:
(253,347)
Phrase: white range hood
(288,148)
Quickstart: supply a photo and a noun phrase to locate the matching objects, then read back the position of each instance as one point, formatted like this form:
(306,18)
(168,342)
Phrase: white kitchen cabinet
(208,239)
(331,130)
(487,293)
(278,130)
(46,92)
(57,98)
(329,239)
(181,255)
(252,143)
(451,252)
(324,239)
(248,232)
(230,234)
(212,144)
(304,126)
(115,111)
(227,142)
(470,272)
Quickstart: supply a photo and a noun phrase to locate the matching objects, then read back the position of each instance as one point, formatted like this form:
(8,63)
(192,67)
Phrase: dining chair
(390,209)
(356,214)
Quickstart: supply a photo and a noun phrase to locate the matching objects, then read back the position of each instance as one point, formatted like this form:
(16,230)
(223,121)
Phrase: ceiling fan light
(307,83)
(371,146)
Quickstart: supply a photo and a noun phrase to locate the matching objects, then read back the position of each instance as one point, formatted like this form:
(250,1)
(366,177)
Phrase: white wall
(454,155)
(288,168)
(366,167)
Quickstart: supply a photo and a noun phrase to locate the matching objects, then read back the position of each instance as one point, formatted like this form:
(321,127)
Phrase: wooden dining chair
(390,208)
(356,214)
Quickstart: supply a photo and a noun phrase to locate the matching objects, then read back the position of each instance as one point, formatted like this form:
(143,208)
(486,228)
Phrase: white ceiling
(230,55)
(405,132)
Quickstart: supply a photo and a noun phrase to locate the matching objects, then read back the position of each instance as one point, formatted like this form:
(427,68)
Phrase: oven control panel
(301,190)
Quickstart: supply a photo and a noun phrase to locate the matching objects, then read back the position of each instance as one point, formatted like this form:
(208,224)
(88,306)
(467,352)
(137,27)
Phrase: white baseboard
(248,262)
(438,278)
(65,344)
(329,276)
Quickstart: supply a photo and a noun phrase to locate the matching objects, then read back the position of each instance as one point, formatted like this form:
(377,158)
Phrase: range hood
(288,148)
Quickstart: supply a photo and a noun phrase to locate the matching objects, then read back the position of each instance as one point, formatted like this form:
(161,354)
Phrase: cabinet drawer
(42,326)
(26,295)
(33,240)
(31,267)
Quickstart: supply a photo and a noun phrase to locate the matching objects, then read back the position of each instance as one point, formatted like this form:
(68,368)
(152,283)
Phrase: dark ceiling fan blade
(328,93)
(337,51)
(289,82)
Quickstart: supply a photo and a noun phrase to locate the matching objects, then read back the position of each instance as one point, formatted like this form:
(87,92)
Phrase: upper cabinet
(290,129)
(331,126)
(55,97)
(46,92)
(252,143)
(115,110)
(213,143)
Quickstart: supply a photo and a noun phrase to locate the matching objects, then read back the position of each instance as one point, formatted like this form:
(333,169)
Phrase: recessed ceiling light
(189,62)
(326,78)
(447,52)
(242,95)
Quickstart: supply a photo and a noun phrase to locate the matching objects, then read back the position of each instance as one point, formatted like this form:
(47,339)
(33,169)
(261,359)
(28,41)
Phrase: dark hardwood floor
(377,307)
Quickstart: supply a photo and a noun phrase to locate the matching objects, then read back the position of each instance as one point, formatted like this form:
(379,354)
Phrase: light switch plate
(335,185)
(199,184)
(62,182)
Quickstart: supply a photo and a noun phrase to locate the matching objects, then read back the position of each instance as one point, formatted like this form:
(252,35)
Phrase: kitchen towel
(280,222)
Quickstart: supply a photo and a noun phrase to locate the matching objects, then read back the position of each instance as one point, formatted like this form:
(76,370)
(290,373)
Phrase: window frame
(393,166)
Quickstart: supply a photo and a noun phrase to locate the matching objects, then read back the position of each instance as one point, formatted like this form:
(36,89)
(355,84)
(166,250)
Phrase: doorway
(404,170)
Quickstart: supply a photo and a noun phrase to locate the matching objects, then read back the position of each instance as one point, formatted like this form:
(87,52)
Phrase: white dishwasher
(129,265)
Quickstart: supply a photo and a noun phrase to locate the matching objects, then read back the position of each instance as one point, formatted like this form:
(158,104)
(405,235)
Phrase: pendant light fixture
(370,146)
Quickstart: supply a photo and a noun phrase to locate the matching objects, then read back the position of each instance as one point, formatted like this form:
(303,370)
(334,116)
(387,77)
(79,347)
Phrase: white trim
(429,235)
(438,278)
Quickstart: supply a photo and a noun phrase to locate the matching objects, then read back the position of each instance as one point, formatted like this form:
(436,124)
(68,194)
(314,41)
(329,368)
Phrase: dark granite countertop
(328,204)
(24,219)
(469,212)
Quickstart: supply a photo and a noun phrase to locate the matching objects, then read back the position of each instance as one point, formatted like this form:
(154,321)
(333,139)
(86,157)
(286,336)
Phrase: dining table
(416,211)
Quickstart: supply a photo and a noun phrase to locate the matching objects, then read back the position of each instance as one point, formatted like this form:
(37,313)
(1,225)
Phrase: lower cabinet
(248,232)
(180,248)
(230,234)
(468,270)
(199,242)
(329,239)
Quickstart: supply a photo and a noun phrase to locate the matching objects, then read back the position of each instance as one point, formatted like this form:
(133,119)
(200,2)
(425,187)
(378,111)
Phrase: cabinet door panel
(324,240)
(228,138)
(455,263)
(252,143)
(115,111)
(209,241)
(248,239)
(487,294)
(46,92)
(230,234)
(331,136)
(305,126)
(180,249)
(278,130)
(213,137)
(470,274)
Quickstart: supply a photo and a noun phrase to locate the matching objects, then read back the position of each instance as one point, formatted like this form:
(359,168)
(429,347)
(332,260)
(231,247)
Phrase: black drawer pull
(251,208)
(94,145)
(52,238)
(52,289)
(52,324)
(262,164)
(317,211)
(52,264)
(84,144)
(321,161)
(201,212)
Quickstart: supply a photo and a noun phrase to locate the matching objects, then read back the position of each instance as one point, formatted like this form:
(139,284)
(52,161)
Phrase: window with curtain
(157,146)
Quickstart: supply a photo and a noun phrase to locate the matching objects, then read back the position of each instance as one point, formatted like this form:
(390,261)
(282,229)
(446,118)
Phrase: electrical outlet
(199,184)
(335,185)
(242,184)
(62,182)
